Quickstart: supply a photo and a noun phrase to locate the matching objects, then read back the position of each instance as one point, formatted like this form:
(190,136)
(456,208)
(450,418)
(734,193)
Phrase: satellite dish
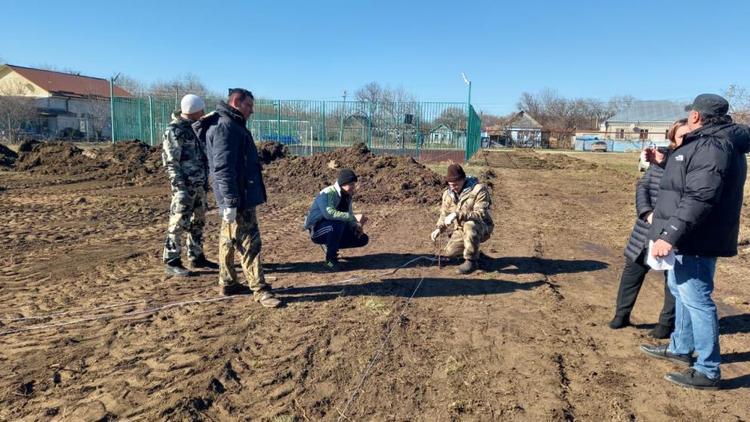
(632,126)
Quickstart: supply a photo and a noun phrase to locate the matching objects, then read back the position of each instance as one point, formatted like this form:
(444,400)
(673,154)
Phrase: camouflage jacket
(184,156)
(472,204)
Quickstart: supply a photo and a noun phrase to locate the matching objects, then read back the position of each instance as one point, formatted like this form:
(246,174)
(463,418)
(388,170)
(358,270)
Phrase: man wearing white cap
(184,158)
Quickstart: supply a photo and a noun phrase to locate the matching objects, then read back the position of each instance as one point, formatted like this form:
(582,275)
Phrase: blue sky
(317,49)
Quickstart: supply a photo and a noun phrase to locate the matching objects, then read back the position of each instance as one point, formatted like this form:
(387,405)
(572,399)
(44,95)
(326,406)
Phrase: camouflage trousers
(187,213)
(466,239)
(244,236)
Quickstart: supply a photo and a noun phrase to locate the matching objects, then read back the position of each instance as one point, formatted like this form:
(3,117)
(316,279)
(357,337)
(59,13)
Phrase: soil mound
(382,179)
(7,156)
(61,158)
(28,145)
(128,160)
(272,151)
(530,160)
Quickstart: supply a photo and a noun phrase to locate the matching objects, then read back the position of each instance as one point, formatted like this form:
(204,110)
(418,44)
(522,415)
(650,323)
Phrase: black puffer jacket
(232,158)
(701,192)
(646,193)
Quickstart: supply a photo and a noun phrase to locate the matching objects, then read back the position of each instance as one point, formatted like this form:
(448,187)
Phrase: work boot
(662,352)
(267,299)
(661,331)
(233,289)
(175,268)
(691,378)
(202,262)
(619,322)
(468,267)
(332,265)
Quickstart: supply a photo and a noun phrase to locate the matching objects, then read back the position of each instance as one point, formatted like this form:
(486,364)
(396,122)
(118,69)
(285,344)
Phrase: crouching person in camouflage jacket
(185,161)
(466,209)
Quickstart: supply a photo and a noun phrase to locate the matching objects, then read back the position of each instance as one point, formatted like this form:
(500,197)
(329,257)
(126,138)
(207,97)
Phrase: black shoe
(468,267)
(175,268)
(661,352)
(691,378)
(233,289)
(332,265)
(661,332)
(619,322)
(202,262)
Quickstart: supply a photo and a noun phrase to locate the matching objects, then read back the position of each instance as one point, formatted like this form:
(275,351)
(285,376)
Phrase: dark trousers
(337,235)
(630,284)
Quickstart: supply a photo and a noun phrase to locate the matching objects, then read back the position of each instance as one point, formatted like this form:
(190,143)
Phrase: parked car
(599,146)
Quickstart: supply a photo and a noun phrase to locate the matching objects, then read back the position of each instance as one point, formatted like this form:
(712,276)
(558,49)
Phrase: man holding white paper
(697,217)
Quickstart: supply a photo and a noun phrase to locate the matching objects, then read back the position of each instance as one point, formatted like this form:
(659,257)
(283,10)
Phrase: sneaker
(332,265)
(202,262)
(267,299)
(175,268)
(468,267)
(661,332)
(619,322)
(233,289)
(691,378)
(661,352)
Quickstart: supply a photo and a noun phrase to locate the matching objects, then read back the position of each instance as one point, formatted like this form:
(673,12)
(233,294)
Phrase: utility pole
(341,123)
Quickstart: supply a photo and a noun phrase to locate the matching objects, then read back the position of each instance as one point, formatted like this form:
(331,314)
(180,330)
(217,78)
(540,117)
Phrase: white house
(644,121)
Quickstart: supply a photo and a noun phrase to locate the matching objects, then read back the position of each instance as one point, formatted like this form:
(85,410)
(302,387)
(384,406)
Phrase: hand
(361,219)
(648,155)
(434,235)
(449,219)
(661,248)
(650,218)
(229,214)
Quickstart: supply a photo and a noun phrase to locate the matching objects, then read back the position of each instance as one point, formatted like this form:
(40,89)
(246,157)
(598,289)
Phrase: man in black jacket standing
(238,187)
(698,217)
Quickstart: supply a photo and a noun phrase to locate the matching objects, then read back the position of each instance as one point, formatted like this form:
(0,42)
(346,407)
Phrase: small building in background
(67,104)
(643,121)
(518,130)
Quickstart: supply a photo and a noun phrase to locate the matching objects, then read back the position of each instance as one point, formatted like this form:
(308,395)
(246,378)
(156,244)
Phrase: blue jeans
(696,323)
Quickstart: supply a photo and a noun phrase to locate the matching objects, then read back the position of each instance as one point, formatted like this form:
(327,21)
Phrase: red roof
(68,85)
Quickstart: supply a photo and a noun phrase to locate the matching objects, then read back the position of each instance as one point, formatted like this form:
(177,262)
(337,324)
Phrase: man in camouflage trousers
(238,186)
(465,208)
(184,159)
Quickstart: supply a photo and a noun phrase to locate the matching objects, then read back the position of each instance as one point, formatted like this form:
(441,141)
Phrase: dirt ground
(90,329)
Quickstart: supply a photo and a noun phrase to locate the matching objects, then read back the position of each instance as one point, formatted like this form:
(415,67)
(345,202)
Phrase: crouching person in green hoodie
(331,221)
(466,209)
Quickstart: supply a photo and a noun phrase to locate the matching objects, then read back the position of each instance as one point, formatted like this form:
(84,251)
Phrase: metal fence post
(151,119)
(369,126)
(112,107)
(278,120)
(140,119)
(324,126)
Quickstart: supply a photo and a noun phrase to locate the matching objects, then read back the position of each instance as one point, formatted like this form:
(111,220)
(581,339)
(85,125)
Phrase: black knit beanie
(346,176)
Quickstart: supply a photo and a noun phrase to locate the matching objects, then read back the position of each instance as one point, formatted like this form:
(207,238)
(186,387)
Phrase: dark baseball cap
(709,105)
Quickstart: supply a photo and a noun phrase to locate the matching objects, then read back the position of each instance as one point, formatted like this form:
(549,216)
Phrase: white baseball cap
(191,103)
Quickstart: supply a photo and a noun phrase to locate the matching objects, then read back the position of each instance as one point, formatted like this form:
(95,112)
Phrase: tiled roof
(67,84)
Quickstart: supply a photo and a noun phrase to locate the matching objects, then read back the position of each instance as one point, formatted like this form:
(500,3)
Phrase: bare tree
(452,117)
(180,86)
(739,103)
(563,116)
(16,110)
(132,85)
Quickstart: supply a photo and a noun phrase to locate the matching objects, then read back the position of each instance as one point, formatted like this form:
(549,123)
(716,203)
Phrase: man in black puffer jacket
(635,270)
(698,217)
(238,187)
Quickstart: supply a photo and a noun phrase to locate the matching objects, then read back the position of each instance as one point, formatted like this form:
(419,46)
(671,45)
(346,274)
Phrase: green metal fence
(424,130)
